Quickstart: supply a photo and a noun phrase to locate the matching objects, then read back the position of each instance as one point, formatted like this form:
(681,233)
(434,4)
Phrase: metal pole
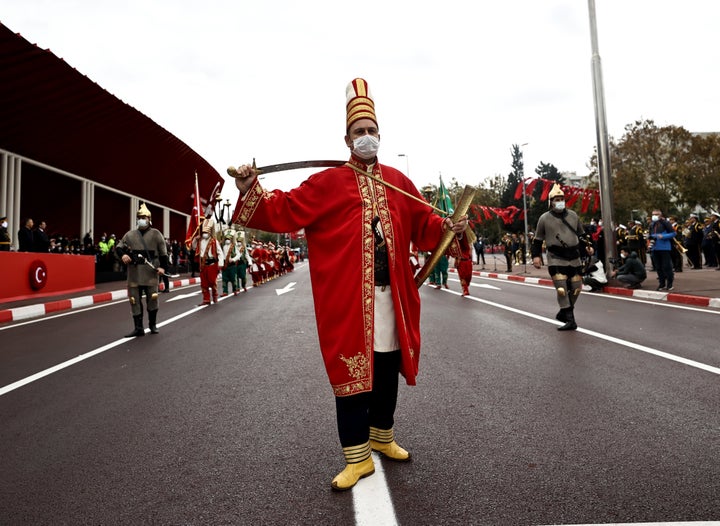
(603,149)
(522,174)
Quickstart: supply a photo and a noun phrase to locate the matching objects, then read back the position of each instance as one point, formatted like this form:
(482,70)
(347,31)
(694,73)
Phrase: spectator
(88,246)
(632,272)
(662,234)
(104,256)
(507,243)
(26,241)
(595,276)
(4,235)
(479,246)
(41,242)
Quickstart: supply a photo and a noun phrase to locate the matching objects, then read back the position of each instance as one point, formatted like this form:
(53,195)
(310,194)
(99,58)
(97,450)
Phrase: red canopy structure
(80,158)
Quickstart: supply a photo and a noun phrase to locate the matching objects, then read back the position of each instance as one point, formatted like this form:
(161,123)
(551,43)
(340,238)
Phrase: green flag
(444,201)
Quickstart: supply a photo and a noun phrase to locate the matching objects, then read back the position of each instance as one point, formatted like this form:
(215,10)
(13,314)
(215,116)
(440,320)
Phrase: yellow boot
(359,464)
(383,441)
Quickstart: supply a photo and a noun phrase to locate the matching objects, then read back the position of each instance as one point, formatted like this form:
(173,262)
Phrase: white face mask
(655,218)
(366,147)
(206,235)
(559,205)
(227,242)
(142,223)
(4,224)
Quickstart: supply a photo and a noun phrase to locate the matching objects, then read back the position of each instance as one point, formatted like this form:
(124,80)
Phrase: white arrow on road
(286,288)
(484,286)
(183,296)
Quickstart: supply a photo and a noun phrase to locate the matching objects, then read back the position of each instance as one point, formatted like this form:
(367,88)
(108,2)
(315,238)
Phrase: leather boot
(359,465)
(139,331)
(152,320)
(383,441)
(570,324)
(560,316)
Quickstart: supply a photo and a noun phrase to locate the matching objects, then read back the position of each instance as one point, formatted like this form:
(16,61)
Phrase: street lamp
(407,163)
(522,175)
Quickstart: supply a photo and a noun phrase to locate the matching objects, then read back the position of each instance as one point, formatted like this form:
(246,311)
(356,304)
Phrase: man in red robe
(369,329)
(464,269)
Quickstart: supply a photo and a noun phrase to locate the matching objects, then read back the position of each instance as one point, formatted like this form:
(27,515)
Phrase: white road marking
(287,288)
(183,296)
(59,367)
(371,499)
(618,341)
(697,523)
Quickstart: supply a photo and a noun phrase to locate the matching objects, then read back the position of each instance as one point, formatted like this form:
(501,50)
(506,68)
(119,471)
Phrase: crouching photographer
(632,272)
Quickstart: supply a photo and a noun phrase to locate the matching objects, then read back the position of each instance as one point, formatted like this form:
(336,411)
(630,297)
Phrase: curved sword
(232,172)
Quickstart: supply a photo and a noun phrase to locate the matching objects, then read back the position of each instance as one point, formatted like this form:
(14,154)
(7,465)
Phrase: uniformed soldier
(715,234)
(4,235)
(621,240)
(565,239)
(144,251)
(635,239)
(693,240)
(678,248)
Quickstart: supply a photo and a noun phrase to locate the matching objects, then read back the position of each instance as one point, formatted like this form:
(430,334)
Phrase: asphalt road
(226,417)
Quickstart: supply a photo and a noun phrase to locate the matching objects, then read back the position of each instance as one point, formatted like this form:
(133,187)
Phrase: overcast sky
(456,83)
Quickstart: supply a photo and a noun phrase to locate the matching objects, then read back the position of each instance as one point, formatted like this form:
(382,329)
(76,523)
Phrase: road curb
(42,309)
(671,297)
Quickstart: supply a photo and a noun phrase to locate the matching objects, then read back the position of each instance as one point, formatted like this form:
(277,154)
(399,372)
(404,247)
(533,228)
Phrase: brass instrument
(679,246)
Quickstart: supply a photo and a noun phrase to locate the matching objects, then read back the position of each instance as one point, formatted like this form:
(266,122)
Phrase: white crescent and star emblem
(37,275)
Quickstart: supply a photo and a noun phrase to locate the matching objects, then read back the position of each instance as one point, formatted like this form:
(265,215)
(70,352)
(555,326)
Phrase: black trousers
(357,413)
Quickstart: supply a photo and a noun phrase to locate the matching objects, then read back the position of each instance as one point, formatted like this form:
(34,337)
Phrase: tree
(514,178)
(489,193)
(665,167)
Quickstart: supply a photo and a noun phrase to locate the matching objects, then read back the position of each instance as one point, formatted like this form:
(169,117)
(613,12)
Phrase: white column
(134,205)
(14,191)
(166,223)
(3,184)
(87,207)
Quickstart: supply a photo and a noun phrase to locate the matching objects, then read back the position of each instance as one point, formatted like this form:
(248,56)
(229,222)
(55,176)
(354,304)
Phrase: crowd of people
(32,237)
(691,244)
(215,253)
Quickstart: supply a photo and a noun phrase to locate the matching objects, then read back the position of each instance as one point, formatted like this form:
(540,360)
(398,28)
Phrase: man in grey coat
(144,251)
(565,238)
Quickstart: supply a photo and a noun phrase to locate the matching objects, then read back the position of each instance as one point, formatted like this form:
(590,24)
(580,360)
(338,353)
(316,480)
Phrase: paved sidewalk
(691,287)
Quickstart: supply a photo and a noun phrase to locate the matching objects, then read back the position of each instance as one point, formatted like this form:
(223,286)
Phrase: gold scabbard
(461,209)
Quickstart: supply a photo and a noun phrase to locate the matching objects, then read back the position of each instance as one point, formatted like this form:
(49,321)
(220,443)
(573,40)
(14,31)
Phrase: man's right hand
(537,262)
(244,176)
